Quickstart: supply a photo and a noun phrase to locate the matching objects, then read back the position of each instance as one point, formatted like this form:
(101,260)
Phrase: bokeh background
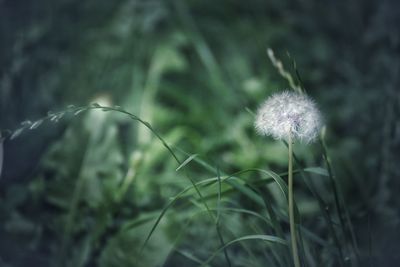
(84,191)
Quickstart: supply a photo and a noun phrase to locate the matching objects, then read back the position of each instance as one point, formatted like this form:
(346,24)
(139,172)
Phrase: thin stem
(295,253)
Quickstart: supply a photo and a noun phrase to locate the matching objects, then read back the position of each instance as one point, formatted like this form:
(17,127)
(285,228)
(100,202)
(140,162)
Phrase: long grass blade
(187,161)
(338,198)
(322,206)
(217,221)
(267,238)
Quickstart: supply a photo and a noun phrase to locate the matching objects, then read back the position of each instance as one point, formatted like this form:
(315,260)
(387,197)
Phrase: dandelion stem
(295,253)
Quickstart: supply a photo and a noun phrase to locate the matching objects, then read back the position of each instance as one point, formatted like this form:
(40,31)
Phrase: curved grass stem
(293,239)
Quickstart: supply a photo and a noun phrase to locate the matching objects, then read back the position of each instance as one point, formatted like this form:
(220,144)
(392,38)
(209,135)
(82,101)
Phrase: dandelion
(289,116)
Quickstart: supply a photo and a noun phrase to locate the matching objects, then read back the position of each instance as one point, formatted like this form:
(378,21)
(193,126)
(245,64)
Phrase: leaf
(142,219)
(16,133)
(36,124)
(164,210)
(79,111)
(26,123)
(281,183)
(96,105)
(245,211)
(57,117)
(246,191)
(189,159)
(317,170)
(268,238)
(188,255)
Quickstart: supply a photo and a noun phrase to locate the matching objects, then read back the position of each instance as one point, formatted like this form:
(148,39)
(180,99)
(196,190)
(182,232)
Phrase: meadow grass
(214,191)
(240,213)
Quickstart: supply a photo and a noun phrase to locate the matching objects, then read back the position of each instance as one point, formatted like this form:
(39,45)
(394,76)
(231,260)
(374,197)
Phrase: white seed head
(289,113)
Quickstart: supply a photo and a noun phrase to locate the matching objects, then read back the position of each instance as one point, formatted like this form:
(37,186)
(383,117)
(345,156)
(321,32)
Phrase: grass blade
(217,225)
(267,238)
(337,198)
(189,159)
(317,170)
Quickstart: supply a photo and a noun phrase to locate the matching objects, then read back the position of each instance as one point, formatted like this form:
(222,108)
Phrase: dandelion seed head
(289,113)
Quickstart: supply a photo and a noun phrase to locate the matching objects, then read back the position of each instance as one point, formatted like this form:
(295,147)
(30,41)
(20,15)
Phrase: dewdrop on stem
(289,116)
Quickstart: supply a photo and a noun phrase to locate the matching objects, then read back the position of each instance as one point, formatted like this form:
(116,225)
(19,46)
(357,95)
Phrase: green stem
(295,253)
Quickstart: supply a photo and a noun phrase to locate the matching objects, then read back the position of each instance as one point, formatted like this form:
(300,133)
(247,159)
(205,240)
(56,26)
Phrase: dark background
(192,69)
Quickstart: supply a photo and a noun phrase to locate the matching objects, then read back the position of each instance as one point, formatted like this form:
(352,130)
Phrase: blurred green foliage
(87,190)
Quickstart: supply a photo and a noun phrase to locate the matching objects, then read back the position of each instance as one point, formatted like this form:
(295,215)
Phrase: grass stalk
(293,239)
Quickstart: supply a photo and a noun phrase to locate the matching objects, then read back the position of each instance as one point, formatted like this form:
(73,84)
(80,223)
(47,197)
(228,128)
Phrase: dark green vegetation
(88,190)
